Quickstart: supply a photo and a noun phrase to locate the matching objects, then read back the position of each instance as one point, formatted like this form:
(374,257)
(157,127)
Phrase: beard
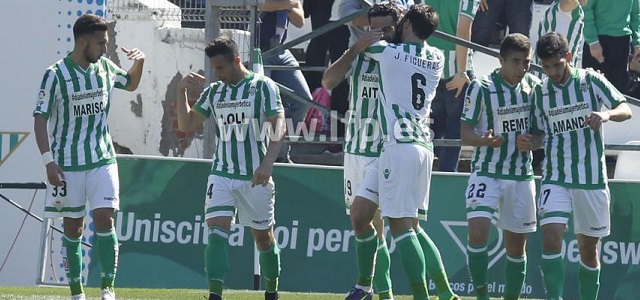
(89,57)
(397,35)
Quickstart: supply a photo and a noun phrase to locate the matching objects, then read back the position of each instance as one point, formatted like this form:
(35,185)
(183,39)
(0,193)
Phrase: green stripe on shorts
(220,208)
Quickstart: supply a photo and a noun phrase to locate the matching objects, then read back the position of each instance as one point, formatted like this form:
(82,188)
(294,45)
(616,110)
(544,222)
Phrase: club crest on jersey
(252,90)
(583,87)
(58,205)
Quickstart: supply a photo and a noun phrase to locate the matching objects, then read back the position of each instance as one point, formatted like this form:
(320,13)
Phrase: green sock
(382,277)
(270,267)
(366,245)
(107,242)
(478,262)
(515,274)
(435,268)
(588,282)
(73,254)
(412,259)
(216,259)
(553,272)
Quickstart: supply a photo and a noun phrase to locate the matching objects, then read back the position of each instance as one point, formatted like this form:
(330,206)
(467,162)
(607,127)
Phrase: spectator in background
(608,30)
(293,79)
(456,17)
(336,42)
(515,13)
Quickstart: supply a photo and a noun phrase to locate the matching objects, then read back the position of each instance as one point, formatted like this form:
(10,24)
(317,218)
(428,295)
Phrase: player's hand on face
(458,82)
(55,175)
(368,37)
(523,142)
(262,175)
(191,80)
(491,140)
(133,54)
(595,119)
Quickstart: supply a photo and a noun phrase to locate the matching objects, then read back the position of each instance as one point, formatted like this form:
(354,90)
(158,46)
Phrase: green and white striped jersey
(568,24)
(574,152)
(76,104)
(363,135)
(409,75)
(240,112)
(450,11)
(492,103)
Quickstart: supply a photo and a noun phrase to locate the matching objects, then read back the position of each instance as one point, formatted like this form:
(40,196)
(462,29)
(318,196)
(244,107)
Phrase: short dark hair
(88,24)
(424,20)
(552,44)
(385,9)
(514,42)
(222,45)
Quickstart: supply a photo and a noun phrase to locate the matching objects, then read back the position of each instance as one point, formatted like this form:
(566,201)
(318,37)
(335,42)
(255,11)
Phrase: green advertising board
(162,232)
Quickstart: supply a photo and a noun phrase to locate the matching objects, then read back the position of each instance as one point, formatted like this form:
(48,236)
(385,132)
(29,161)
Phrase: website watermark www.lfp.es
(236,127)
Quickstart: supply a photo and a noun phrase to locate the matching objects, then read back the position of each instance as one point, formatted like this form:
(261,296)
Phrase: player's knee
(264,239)
(103,218)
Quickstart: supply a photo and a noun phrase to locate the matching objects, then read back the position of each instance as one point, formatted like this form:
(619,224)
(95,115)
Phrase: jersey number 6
(418,96)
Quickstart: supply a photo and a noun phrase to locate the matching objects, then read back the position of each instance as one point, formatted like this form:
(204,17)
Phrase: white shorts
(360,178)
(255,205)
(404,179)
(100,186)
(590,209)
(510,204)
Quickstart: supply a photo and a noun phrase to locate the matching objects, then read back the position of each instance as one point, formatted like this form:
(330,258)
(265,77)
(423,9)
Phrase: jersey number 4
(418,96)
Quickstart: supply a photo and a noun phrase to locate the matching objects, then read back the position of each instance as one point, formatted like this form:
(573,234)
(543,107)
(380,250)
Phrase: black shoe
(213,296)
(271,295)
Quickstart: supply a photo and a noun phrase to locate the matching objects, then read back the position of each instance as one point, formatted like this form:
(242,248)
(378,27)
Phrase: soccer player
(407,153)
(566,113)
(362,148)
(74,101)
(242,103)
(496,111)
(566,18)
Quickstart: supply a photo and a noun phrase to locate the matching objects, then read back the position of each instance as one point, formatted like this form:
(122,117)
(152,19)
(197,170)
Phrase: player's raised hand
(55,175)
(491,140)
(484,6)
(368,37)
(595,119)
(524,142)
(133,54)
(191,80)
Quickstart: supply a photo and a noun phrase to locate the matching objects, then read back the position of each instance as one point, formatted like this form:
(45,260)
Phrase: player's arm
(274,111)
(473,108)
(338,70)
(135,72)
(46,100)
(463,31)
(189,119)
(534,138)
(296,13)
(618,111)
(55,175)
